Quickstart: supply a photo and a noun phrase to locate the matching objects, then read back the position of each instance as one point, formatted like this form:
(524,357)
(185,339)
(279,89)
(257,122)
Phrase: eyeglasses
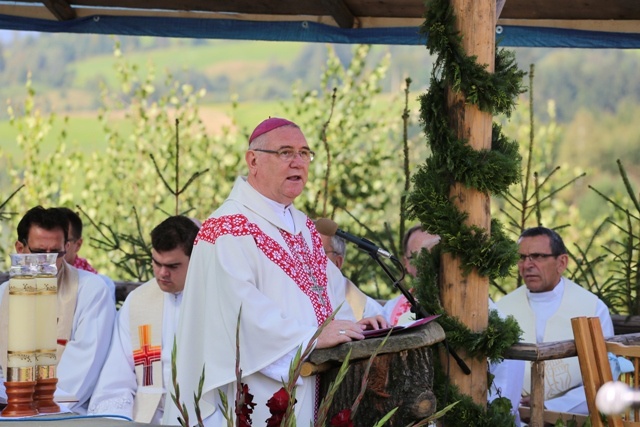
(535,257)
(288,154)
(44,251)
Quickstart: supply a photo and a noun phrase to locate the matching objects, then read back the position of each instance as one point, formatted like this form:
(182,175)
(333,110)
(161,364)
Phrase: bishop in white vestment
(259,256)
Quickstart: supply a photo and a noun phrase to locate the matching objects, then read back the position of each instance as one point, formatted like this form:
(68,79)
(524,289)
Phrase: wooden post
(466,297)
(537,394)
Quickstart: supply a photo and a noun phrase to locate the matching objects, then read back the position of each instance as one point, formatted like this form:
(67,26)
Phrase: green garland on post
(489,171)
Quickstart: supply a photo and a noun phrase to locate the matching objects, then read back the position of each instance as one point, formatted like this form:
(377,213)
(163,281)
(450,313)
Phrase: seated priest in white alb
(134,379)
(86,310)
(544,308)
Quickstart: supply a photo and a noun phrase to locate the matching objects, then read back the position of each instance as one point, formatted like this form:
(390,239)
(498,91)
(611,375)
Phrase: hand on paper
(338,332)
(374,323)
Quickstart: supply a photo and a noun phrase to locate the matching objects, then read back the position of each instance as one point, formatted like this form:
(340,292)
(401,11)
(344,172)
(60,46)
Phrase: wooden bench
(537,354)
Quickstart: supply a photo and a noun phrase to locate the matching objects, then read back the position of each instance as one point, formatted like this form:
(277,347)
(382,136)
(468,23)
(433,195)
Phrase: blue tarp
(305,31)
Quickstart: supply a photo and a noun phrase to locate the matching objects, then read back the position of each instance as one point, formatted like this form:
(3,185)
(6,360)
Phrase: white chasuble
(67,299)
(247,258)
(133,381)
(561,374)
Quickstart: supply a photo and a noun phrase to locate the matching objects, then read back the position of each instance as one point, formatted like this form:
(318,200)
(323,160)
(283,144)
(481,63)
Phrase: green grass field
(84,132)
(242,58)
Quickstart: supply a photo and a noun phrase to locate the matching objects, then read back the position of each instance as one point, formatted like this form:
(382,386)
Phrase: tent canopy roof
(552,23)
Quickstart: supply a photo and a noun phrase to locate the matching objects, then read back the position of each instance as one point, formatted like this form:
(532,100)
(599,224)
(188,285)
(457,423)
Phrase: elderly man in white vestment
(398,311)
(361,304)
(260,254)
(136,374)
(544,309)
(86,310)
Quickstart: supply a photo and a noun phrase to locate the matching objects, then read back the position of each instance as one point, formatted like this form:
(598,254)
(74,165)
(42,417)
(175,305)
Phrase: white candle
(46,319)
(22,321)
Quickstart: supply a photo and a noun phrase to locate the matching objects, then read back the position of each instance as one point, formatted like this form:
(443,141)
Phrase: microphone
(330,228)
(616,397)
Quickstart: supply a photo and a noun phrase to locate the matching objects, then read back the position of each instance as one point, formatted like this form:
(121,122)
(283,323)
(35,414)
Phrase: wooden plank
(599,351)
(626,26)
(340,12)
(571,9)
(60,9)
(597,10)
(421,336)
(552,417)
(558,349)
(588,365)
(624,324)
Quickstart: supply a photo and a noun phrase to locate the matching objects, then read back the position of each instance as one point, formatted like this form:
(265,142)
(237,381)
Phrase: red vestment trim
(307,269)
(83,264)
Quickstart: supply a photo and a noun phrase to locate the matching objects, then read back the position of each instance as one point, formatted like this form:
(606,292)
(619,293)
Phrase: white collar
(556,292)
(282,211)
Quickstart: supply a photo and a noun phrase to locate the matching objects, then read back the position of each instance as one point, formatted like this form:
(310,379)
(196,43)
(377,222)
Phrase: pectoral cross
(315,288)
(298,248)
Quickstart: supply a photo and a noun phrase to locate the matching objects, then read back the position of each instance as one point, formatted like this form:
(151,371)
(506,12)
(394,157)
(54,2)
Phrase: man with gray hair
(362,305)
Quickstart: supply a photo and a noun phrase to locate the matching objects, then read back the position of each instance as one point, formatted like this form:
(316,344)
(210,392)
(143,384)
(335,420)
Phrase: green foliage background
(123,194)
(113,112)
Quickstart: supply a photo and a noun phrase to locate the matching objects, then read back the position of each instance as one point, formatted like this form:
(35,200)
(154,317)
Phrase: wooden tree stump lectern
(401,376)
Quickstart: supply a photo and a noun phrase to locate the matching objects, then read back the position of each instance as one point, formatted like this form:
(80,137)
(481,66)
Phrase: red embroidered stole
(306,268)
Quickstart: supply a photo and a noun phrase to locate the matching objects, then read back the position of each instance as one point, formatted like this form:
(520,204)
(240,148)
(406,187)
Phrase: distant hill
(65,63)
(67,69)
(593,94)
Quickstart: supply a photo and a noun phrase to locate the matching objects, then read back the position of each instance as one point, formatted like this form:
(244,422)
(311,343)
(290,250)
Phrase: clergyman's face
(74,246)
(170,269)
(419,239)
(543,274)
(40,240)
(333,256)
(274,178)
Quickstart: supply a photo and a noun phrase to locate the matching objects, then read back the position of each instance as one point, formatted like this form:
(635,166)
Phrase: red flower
(244,407)
(278,407)
(275,420)
(279,401)
(342,419)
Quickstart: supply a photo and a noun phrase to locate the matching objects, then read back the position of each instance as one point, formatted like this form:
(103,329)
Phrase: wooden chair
(594,366)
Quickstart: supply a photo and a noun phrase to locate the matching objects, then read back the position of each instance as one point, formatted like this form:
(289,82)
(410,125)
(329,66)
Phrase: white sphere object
(613,398)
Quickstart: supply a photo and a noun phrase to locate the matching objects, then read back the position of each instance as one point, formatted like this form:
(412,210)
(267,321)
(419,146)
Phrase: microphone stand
(416,308)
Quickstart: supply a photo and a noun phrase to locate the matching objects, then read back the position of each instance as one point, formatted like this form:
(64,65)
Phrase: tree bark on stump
(401,376)
(401,380)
